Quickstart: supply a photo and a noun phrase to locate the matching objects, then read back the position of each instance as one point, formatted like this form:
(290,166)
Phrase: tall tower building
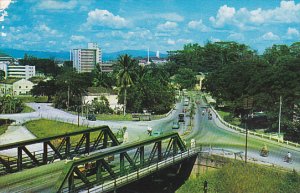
(85,59)
(157,54)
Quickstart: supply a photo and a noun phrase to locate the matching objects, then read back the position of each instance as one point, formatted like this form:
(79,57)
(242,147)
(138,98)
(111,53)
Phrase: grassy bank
(46,128)
(237,177)
(27,109)
(3,128)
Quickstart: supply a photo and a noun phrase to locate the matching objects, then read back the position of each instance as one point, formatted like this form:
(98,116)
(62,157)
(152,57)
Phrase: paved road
(213,132)
(136,129)
(207,132)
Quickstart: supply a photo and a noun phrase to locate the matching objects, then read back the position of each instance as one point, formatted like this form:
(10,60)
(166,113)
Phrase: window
(19,86)
(26,86)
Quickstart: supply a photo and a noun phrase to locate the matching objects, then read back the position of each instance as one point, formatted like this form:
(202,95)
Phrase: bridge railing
(36,152)
(96,170)
(261,135)
(143,172)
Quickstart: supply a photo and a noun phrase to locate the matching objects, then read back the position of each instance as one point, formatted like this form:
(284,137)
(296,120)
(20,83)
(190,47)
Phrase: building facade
(17,71)
(16,87)
(85,60)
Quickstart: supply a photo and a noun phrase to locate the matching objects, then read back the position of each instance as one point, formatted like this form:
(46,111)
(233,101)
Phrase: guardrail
(262,135)
(140,173)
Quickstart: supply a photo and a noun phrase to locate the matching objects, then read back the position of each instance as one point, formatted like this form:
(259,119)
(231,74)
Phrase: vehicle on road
(288,158)
(209,116)
(186,102)
(157,133)
(91,117)
(175,125)
(181,117)
(264,152)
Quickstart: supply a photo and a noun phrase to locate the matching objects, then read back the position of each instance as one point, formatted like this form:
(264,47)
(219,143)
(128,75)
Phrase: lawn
(3,128)
(27,109)
(29,99)
(240,178)
(128,117)
(46,128)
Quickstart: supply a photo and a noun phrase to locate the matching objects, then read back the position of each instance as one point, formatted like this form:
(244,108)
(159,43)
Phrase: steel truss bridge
(160,159)
(54,148)
(154,164)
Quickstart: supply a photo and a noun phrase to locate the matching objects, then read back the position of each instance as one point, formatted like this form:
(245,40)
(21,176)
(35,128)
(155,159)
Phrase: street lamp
(248,105)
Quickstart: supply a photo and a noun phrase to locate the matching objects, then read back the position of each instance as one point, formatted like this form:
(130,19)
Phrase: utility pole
(246,145)
(280,103)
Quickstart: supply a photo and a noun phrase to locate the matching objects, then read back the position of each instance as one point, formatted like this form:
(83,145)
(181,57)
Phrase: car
(157,133)
(181,117)
(91,117)
(175,125)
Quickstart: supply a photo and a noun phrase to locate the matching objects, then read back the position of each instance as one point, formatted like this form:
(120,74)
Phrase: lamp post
(248,104)
(279,117)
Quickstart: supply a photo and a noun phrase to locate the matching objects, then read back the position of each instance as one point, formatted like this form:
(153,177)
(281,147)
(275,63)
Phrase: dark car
(91,117)
(181,117)
(175,125)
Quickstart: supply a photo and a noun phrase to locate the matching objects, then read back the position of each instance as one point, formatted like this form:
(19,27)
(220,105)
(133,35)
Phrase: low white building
(112,99)
(16,87)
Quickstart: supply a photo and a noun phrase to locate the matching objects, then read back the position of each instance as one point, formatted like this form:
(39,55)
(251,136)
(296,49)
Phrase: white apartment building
(17,71)
(85,59)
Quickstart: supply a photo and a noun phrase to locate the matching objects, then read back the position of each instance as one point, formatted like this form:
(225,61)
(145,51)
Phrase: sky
(61,25)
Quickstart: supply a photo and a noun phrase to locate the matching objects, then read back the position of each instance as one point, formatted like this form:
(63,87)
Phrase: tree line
(236,73)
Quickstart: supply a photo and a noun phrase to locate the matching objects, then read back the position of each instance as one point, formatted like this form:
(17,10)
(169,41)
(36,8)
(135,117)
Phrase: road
(206,132)
(213,132)
(135,129)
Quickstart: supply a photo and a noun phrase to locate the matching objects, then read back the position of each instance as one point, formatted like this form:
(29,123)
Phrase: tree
(101,106)
(9,104)
(47,88)
(2,75)
(124,75)
(186,78)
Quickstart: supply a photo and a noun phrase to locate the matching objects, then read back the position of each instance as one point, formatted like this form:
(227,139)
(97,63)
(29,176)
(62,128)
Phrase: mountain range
(15,53)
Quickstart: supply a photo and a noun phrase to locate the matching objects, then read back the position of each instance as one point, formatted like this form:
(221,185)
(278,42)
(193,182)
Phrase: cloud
(270,36)
(167,16)
(3,34)
(100,17)
(184,41)
(236,36)
(4,5)
(46,30)
(287,12)
(198,25)
(179,41)
(212,39)
(224,14)
(76,38)
(171,42)
(168,26)
(292,32)
(56,5)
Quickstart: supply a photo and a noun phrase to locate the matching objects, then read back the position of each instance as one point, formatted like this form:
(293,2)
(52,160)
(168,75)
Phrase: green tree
(47,88)
(124,79)
(2,75)
(186,78)
(101,106)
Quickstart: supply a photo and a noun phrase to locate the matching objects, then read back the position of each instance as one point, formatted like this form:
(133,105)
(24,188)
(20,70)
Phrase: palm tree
(124,75)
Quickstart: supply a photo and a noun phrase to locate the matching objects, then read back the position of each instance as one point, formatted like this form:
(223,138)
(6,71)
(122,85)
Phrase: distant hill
(66,55)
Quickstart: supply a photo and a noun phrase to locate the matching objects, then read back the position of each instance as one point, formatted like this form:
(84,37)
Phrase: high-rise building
(17,71)
(85,59)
